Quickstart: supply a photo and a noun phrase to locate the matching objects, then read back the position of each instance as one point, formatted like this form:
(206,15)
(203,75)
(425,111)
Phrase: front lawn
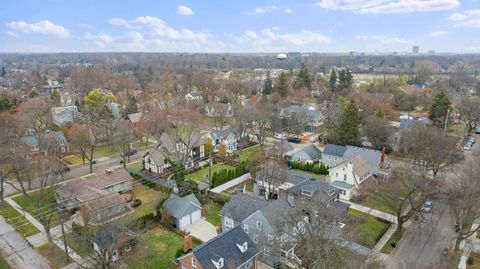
(21,224)
(81,245)
(156,249)
(47,205)
(250,153)
(148,197)
(202,174)
(3,263)
(137,166)
(387,249)
(54,255)
(378,202)
(367,229)
(74,159)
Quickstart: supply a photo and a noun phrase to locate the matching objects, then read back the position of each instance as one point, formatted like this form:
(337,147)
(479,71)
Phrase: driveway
(202,230)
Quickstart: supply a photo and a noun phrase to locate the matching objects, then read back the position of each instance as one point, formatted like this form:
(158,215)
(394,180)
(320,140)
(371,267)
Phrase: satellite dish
(281,56)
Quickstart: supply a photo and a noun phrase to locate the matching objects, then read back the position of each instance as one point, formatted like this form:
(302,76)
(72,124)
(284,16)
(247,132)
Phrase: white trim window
(245,228)
(255,238)
(228,223)
(194,263)
(259,225)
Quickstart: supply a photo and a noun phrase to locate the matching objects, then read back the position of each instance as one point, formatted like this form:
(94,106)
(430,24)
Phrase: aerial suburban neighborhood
(240,135)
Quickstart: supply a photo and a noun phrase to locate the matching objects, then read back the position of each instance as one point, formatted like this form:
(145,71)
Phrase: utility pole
(446,122)
(210,172)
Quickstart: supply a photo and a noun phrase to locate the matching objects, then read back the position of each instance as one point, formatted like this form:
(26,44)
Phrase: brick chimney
(382,160)
(108,171)
(187,243)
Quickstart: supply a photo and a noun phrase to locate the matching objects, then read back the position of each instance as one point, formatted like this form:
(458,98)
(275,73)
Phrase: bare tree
(261,117)
(85,138)
(8,136)
(377,130)
(125,139)
(273,174)
(469,112)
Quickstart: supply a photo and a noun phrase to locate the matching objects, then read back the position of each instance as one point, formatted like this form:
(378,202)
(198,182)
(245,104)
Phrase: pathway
(468,245)
(376,213)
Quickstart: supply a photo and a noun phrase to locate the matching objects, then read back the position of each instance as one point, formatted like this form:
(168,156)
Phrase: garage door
(196,215)
(184,221)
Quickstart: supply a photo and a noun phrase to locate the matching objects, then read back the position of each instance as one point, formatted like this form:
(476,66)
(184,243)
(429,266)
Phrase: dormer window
(194,263)
(243,247)
(307,193)
(218,264)
(259,225)
(245,228)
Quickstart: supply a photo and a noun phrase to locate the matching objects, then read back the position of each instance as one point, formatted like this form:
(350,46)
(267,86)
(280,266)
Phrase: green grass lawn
(109,151)
(74,159)
(3,263)
(45,205)
(387,249)
(156,249)
(250,152)
(138,166)
(82,246)
(202,174)
(377,202)
(148,197)
(367,229)
(211,212)
(310,174)
(249,187)
(21,224)
(55,256)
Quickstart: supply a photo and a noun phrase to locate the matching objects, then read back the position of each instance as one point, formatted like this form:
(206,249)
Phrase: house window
(194,263)
(345,177)
(270,238)
(259,225)
(344,192)
(245,228)
(307,193)
(344,169)
(228,223)
(255,238)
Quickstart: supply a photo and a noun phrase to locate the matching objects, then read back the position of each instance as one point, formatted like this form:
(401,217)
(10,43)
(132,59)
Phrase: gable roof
(372,156)
(334,150)
(312,151)
(112,235)
(281,146)
(242,206)
(360,165)
(135,117)
(225,246)
(316,187)
(156,156)
(219,134)
(177,206)
(301,111)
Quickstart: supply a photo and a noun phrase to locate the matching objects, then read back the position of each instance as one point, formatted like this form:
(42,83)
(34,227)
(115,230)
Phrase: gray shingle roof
(343,185)
(303,112)
(334,150)
(313,152)
(242,206)
(371,155)
(316,187)
(111,234)
(225,246)
(177,206)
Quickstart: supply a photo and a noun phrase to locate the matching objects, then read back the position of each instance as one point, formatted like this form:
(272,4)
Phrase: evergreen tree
(348,127)
(281,87)
(333,80)
(303,79)
(440,106)
(5,103)
(55,97)
(4,72)
(345,79)
(267,85)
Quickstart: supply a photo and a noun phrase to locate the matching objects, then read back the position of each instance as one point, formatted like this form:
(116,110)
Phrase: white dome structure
(282,56)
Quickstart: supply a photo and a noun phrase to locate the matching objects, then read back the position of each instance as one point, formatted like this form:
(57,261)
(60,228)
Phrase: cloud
(388,6)
(438,33)
(384,40)
(10,33)
(156,27)
(184,10)
(269,39)
(261,10)
(288,11)
(469,18)
(100,40)
(45,27)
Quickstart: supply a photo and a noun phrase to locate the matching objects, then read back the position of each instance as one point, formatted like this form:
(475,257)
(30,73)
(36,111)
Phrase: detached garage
(184,210)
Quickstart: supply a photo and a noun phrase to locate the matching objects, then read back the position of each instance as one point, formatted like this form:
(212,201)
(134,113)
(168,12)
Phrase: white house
(64,114)
(349,174)
(219,109)
(226,137)
(193,96)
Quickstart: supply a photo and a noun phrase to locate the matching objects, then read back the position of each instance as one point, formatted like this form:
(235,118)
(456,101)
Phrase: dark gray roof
(242,206)
(302,112)
(313,152)
(276,211)
(334,150)
(370,155)
(405,124)
(281,146)
(341,184)
(220,134)
(111,234)
(177,206)
(226,246)
(325,191)
(50,137)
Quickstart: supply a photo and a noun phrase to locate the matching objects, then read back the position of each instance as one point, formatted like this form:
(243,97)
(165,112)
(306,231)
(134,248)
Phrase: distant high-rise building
(415,49)
(431,52)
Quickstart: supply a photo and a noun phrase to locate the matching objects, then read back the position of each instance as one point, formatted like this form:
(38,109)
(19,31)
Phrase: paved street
(17,250)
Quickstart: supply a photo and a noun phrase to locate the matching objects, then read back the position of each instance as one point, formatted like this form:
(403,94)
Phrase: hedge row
(225,175)
(310,167)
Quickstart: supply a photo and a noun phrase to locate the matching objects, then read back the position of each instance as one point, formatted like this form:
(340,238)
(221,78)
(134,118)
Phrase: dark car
(294,140)
(128,153)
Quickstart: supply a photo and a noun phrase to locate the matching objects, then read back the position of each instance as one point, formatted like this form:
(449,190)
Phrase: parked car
(128,153)
(280,135)
(467,147)
(477,130)
(471,140)
(313,139)
(427,207)
(294,140)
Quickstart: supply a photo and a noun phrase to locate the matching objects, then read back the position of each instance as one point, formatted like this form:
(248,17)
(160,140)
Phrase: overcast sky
(239,25)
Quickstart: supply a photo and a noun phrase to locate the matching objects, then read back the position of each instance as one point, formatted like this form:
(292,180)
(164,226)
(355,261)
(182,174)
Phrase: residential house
(279,149)
(349,174)
(231,249)
(308,154)
(396,139)
(100,195)
(113,241)
(228,137)
(311,118)
(217,109)
(159,160)
(333,155)
(184,210)
(53,142)
(135,117)
(64,114)
(193,96)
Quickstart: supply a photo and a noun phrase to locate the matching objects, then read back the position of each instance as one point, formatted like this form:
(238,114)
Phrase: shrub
(179,253)
(320,169)
(222,199)
(470,260)
(136,202)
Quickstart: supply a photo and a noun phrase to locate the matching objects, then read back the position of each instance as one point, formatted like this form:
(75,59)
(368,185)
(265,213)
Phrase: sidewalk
(468,245)
(17,251)
(376,213)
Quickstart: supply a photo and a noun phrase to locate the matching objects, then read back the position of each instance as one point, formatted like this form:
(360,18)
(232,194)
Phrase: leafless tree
(424,70)
(126,137)
(85,138)
(469,112)
(261,117)
(9,133)
(377,130)
(37,120)
(273,174)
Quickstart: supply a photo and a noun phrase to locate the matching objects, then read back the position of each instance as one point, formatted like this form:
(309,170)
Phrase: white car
(280,135)
(467,147)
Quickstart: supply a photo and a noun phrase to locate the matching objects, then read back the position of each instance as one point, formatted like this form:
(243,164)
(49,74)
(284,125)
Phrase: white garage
(184,210)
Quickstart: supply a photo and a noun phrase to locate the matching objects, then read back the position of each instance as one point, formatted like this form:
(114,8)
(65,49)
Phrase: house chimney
(187,243)
(108,171)
(382,160)
(291,200)
(350,166)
